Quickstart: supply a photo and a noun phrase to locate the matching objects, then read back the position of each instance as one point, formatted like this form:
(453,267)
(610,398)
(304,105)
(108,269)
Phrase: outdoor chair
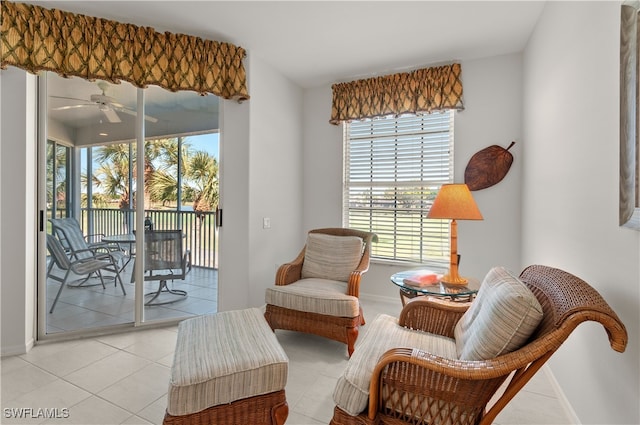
(165,259)
(72,239)
(445,363)
(70,236)
(317,293)
(83,266)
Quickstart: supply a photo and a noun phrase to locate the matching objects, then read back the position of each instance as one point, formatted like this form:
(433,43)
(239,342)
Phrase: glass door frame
(42,313)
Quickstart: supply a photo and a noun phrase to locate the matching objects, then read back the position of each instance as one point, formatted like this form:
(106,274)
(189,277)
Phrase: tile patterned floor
(122,379)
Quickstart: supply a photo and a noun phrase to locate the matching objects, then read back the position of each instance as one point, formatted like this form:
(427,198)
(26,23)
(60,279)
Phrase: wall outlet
(266,223)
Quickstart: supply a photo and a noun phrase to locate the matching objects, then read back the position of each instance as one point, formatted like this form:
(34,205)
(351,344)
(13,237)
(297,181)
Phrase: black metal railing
(199,227)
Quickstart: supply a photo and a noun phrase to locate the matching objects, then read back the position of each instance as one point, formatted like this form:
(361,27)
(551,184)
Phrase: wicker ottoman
(228,368)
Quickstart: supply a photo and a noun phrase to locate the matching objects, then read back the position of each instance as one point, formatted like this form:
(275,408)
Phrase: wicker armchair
(412,386)
(305,299)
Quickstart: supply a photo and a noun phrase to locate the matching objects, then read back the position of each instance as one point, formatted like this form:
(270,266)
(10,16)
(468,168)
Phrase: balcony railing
(199,227)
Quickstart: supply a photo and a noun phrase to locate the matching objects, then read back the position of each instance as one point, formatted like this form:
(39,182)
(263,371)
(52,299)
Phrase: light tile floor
(122,379)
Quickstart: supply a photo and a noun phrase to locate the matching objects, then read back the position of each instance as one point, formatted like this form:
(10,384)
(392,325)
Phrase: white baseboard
(17,350)
(564,402)
(379,298)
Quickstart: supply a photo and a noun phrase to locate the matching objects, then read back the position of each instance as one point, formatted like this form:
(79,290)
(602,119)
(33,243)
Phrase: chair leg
(280,413)
(119,278)
(101,279)
(352,336)
(163,287)
(121,285)
(63,282)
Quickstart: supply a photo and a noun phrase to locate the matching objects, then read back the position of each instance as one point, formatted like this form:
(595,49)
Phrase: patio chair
(441,364)
(317,293)
(165,259)
(70,236)
(81,267)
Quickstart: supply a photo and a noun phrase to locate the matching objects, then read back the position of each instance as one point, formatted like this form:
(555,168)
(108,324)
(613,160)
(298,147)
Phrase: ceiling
(75,117)
(315,43)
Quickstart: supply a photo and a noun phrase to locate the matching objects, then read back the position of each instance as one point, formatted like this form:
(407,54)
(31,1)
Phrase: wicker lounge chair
(317,293)
(408,385)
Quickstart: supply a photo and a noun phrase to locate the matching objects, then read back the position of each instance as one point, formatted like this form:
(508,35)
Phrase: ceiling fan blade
(111,115)
(81,105)
(69,98)
(150,118)
(117,104)
(134,113)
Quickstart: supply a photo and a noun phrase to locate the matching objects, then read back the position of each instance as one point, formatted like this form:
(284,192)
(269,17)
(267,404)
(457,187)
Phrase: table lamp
(454,201)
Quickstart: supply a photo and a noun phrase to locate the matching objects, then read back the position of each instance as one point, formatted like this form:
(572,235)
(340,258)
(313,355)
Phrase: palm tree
(113,173)
(112,177)
(199,174)
(57,156)
(201,181)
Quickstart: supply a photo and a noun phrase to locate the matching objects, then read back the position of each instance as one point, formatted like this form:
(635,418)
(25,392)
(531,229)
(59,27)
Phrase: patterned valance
(34,38)
(420,91)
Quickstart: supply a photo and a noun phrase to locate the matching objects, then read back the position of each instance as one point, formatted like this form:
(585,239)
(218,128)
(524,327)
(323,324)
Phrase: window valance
(34,38)
(420,91)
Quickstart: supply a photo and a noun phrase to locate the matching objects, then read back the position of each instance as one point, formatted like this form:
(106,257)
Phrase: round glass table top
(426,282)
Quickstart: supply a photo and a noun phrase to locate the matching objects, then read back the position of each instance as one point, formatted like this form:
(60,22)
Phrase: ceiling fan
(107,104)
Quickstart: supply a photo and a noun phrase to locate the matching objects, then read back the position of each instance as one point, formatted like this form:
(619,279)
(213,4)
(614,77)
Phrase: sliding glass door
(105,162)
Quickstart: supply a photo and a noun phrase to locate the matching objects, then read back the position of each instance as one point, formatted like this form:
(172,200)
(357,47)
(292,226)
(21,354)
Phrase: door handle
(219,217)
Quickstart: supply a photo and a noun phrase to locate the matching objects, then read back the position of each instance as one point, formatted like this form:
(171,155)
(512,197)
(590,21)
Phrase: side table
(464,293)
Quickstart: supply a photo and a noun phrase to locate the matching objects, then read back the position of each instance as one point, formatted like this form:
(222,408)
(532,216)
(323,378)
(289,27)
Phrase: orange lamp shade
(454,201)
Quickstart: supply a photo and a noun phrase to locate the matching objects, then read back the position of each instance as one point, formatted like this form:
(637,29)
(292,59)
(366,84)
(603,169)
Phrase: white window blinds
(393,169)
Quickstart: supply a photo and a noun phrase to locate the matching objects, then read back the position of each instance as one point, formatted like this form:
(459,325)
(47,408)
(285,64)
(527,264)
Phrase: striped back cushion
(501,319)
(331,257)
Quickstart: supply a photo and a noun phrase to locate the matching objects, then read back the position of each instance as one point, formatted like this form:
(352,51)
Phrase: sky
(207,142)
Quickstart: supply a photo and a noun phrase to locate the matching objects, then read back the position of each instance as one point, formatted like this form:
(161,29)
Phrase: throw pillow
(501,319)
(331,257)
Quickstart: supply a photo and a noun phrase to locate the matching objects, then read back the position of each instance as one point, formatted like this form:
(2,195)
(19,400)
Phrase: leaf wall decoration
(488,166)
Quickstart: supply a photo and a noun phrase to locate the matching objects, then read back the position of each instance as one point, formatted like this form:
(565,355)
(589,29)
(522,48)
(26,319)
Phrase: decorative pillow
(331,257)
(501,319)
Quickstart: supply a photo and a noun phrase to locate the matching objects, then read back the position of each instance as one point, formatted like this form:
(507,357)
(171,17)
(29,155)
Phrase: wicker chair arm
(290,272)
(353,287)
(432,315)
(442,370)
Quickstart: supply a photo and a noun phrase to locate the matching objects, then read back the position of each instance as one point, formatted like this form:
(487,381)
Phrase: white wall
(492,115)
(18,225)
(275,175)
(262,178)
(570,194)
(233,274)
(322,159)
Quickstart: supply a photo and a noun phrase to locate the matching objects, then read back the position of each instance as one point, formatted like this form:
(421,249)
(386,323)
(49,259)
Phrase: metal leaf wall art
(488,166)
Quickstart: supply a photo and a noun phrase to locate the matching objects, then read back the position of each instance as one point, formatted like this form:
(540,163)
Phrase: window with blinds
(394,168)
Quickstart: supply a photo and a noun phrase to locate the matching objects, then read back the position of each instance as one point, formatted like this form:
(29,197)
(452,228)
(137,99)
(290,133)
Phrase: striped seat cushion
(331,257)
(501,319)
(314,295)
(351,393)
(224,357)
